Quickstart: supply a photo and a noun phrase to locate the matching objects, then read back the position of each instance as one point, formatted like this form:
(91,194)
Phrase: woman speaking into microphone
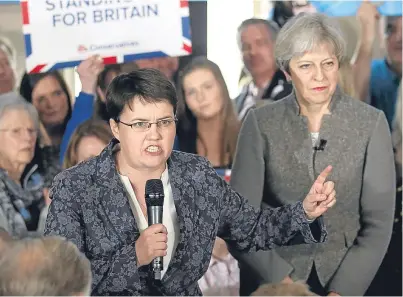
(100,204)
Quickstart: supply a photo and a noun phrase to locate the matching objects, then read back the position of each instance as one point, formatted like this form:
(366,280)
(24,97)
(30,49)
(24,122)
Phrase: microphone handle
(155,217)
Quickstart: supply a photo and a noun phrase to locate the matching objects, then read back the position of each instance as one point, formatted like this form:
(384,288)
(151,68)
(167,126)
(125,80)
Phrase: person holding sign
(95,203)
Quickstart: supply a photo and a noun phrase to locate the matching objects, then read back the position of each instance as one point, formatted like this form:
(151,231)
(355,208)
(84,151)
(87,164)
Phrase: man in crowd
(256,38)
(377,81)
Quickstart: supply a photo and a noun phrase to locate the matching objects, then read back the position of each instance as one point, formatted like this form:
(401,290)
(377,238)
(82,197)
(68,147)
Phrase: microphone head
(154,192)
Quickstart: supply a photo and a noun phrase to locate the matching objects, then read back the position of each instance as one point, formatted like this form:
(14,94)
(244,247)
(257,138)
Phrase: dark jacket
(277,89)
(90,207)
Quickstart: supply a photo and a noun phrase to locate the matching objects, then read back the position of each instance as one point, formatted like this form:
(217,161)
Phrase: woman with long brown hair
(208,124)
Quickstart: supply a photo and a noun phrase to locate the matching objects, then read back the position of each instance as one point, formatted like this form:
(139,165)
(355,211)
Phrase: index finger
(323,175)
(157,228)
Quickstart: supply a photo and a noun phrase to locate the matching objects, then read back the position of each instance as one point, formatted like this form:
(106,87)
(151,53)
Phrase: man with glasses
(100,203)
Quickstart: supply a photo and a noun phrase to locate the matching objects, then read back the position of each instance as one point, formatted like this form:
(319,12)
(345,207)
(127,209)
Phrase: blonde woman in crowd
(88,140)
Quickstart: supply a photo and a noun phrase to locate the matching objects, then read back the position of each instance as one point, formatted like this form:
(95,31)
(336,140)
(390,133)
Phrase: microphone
(155,202)
(321,146)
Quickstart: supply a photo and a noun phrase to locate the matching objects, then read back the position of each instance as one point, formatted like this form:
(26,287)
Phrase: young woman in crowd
(208,126)
(87,141)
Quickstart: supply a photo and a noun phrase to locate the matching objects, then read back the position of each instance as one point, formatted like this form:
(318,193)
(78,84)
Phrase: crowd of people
(303,105)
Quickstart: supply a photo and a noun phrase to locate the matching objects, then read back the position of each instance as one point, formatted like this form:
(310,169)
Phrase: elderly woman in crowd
(22,187)
(7,67)
(283,145)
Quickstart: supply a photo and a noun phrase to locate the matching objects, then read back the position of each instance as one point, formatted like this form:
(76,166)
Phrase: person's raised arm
(246,228)
(88,71)
(368,18)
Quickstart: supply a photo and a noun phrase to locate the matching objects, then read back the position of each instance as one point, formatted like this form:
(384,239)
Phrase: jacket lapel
(181,184)
(298,134)
(334,129)
(113,197)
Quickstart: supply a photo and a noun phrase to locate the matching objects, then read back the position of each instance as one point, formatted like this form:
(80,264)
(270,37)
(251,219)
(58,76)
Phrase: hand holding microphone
(151,244)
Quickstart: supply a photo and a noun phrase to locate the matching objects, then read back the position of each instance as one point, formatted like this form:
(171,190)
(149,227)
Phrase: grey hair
(47,266)
(14,101)
(271,26)
(305,32)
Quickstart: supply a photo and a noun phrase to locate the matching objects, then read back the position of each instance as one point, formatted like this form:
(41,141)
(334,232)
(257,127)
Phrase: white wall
(223,19)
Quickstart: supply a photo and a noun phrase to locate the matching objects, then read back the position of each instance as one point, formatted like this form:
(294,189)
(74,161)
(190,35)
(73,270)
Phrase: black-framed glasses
(142,126)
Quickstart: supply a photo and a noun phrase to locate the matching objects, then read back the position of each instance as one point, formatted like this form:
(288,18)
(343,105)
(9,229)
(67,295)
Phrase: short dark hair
(146,85)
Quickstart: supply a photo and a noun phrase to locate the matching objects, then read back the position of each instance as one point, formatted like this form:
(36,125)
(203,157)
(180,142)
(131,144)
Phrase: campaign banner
(62,33)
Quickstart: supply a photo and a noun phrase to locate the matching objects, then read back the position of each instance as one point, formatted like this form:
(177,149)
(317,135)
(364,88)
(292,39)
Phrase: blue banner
(349,8)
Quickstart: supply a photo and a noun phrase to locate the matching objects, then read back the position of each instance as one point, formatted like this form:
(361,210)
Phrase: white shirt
(252,92)
(221,278)
(314,138)
(169,217)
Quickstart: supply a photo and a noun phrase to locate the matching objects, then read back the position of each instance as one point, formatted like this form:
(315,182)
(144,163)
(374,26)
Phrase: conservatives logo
(82,49)
(95,47)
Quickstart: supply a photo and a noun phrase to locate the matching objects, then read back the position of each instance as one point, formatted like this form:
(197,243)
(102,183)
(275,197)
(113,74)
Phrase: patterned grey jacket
(90,207)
